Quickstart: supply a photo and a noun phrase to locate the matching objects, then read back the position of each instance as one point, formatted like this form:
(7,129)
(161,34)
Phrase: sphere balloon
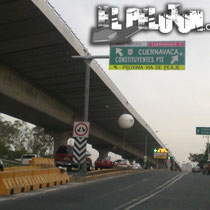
(126,121)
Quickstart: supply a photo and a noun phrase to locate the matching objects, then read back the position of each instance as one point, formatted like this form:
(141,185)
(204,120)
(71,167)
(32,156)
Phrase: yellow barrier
(16,181)
(43,162)
(20,168)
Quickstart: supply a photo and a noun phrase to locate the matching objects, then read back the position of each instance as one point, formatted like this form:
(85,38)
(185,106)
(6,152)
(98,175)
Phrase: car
(116,162)
(196,169)
(27,157)
(206,167)
(105,162)
(123,164)
(64,158)
(1,165)
(136,166)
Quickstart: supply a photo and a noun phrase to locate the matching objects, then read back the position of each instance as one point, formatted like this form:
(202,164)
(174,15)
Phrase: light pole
(82,170)
(157,164)
(208,148)
(208,155)
(165,161)
(145,152)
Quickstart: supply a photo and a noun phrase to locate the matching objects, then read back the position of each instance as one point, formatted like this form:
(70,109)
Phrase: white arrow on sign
(174,59)
(119,51)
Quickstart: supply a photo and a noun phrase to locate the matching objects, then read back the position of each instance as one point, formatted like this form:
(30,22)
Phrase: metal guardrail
(10,161)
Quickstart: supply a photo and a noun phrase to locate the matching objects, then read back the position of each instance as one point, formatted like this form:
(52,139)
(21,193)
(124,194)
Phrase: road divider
(16,181)
(42,162)
(19,168)
(106,170)
(108,173)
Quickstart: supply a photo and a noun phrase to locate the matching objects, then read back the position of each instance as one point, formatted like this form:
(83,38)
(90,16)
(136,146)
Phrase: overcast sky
(171,102)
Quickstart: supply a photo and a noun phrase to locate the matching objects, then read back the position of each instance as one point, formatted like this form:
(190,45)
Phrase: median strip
(91,177)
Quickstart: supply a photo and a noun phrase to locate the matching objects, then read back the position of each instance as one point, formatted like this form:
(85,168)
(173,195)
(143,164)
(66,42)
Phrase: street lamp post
(208,155)
(157,163)
(165,161)
(208,148)
(145,152)
(87,58)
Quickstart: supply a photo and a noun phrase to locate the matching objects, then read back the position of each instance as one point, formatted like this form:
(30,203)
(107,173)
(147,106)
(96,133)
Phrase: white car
(123,164)
(196,169)
(136,166)
(25,158)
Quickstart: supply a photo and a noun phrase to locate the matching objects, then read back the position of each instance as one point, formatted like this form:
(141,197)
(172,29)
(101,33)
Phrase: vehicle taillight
(69,158)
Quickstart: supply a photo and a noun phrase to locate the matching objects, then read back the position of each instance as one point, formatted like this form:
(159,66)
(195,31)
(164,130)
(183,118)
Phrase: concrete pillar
(103,153)
(140,161)
(103,150)
(60,138)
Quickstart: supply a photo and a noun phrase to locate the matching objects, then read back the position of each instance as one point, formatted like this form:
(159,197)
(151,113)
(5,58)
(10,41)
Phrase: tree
(18,138)
(21,135)
(40,143)
(7,133)
(200,159)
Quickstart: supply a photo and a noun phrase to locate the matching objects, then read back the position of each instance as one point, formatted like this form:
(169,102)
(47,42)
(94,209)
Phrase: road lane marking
(149,195)
(152,195)
(136,199)
(121,189)
(61,187)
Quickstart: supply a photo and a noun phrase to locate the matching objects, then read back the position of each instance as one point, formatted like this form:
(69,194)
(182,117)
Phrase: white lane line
(152,195)
(147,194)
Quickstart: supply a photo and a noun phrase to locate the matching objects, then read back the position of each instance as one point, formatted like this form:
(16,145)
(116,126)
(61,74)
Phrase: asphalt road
(147,191)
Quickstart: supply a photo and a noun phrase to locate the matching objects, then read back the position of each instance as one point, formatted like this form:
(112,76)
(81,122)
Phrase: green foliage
(40,143)
(7,133)
(200,159)
(17,139)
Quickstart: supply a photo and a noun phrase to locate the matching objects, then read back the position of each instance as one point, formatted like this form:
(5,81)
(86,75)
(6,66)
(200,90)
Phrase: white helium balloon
(126,121)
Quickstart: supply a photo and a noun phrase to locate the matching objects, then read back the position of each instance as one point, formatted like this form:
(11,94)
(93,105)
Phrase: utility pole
(208,148)
(145,152)
(173,164)
(82,170)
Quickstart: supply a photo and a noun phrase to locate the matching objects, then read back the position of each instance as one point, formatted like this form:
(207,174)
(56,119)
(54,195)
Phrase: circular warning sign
(81,129)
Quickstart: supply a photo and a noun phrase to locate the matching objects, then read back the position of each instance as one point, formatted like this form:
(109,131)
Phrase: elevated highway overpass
(41,84)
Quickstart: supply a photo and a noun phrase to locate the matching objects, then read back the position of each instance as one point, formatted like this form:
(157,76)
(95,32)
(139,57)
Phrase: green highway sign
(202,130)
(148,55)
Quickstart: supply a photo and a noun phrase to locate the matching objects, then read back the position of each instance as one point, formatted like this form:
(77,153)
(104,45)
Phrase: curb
(101,176)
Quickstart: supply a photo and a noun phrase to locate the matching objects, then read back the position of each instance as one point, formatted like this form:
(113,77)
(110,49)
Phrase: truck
(26,158)
(64,158)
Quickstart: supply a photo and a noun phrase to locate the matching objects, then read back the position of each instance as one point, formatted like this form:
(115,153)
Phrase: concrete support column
(103,153)
(103,150)
(60,138)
